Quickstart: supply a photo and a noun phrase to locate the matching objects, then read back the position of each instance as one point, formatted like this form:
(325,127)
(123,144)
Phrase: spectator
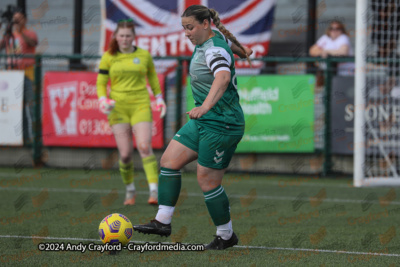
(335,42)
(22,41)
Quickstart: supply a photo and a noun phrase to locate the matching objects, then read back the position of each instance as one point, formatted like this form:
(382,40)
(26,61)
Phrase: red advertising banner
(71,115)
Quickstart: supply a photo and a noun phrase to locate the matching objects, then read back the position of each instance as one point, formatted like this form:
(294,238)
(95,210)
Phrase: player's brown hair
(200,13)
(122,24)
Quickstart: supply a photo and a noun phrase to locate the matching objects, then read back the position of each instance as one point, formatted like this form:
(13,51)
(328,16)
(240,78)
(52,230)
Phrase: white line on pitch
(100,191)
(246,247)
(284,181)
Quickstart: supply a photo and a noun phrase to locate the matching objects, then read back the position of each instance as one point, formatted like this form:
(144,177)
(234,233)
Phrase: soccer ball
(115,228)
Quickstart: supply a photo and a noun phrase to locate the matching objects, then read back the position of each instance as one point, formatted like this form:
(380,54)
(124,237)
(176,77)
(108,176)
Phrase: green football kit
(216,134)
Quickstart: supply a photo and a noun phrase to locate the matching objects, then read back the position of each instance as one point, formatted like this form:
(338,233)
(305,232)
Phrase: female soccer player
(212,134)
(128,107)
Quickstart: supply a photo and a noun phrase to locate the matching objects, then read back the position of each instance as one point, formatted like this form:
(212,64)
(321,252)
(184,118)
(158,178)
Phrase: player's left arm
(155,87)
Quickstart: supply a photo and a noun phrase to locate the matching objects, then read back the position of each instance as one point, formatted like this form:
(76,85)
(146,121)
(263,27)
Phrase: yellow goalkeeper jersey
(127,73)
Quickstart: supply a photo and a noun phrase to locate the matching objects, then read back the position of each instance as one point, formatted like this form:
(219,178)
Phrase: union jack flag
(159,30)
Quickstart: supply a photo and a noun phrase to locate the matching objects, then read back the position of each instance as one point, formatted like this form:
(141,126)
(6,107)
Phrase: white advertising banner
(11,107)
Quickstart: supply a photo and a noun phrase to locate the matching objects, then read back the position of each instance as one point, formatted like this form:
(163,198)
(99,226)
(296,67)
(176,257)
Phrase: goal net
(377,94)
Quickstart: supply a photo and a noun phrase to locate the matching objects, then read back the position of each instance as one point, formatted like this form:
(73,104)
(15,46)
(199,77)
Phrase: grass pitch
(280,220)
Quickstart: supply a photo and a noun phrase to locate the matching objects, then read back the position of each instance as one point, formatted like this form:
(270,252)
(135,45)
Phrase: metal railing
(328,74)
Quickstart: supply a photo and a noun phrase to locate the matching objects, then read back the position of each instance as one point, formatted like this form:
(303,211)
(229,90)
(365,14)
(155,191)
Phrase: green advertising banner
(278,110)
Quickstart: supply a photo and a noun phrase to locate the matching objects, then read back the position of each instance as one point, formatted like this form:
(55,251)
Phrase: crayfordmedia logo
(368,218)
(19,181)
(231,255)
(20,256)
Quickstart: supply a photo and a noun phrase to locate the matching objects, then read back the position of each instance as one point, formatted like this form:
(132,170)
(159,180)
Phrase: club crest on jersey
(136,60)
(217,54)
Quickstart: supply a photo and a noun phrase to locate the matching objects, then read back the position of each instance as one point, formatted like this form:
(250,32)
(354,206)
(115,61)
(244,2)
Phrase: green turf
(269,214)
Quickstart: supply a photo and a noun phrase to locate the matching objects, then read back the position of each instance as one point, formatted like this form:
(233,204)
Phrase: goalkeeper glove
(160,104)
(106,105)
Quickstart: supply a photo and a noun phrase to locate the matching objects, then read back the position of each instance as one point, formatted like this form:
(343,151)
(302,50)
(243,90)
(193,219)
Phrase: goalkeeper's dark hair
(200,13)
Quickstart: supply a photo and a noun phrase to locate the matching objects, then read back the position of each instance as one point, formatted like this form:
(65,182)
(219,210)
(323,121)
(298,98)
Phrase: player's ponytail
(127,23)
(215,18)
(201,13)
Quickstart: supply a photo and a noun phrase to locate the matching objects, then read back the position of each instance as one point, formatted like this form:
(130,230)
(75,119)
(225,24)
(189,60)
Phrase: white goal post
(377,94)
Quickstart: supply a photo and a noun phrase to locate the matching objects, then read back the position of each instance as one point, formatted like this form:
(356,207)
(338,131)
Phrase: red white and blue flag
(159,29)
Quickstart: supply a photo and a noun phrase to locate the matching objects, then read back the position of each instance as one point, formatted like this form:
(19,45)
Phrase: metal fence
(325,70)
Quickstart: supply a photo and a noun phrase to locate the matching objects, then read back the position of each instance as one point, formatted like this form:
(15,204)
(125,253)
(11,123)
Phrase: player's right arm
(219,62)
(103,76)
(105,104)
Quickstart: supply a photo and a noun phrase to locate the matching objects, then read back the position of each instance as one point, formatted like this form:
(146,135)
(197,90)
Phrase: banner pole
(37,129)
(327,132)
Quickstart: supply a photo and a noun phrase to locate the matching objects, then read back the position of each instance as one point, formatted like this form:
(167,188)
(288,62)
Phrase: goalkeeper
(128,107)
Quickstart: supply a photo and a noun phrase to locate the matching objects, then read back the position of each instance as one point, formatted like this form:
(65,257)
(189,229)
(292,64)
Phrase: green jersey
(208,59)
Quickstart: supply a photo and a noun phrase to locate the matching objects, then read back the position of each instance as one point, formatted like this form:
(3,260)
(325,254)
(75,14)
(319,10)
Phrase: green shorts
(214,150)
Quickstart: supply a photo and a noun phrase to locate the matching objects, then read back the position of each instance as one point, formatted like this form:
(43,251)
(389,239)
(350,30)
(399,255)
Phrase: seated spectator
(335,42)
